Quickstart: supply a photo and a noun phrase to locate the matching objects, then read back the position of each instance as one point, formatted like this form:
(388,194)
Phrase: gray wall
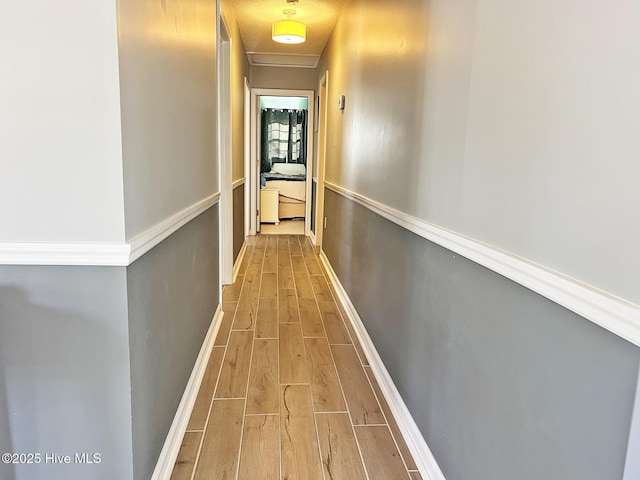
(96,359)
(64,370)
(462,115)
(502,382)
(632,467)
(173,292)
(238,220)
(284,78)
(167,53)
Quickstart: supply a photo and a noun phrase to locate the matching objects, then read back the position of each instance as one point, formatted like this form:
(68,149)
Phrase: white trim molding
(101,254)
(148,239)
(612,313)
(237,183)
(420,451)
(59,253)
(171,447)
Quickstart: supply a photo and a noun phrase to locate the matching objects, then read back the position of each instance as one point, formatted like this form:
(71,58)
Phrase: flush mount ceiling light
(288,31)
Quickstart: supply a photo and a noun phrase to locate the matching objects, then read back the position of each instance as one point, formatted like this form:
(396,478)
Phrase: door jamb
(323,89)
(224,152)
(248,197)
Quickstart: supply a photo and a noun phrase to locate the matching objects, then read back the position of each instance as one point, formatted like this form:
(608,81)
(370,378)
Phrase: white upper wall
(168,85)
(60,148)
(512,123)
(553,124)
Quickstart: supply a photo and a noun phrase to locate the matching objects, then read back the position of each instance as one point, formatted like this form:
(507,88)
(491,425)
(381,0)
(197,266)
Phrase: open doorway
(281,161)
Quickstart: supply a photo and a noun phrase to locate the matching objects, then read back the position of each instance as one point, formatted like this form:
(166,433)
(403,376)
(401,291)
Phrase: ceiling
(255,17)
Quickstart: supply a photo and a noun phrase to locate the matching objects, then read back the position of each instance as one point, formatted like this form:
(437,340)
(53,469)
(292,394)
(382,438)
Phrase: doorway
(281,161)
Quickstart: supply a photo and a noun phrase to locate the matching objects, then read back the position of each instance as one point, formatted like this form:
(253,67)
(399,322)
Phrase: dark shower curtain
(283,137)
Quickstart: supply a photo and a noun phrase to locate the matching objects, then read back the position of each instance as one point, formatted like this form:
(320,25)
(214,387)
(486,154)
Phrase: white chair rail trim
(612,313)
(101,254)
(28,253)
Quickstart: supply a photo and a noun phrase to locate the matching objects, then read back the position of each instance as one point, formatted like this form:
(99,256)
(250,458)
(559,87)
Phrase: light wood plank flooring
(288,393)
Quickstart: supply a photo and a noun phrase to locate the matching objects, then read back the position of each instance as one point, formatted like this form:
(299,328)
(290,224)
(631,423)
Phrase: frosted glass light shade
(288,31)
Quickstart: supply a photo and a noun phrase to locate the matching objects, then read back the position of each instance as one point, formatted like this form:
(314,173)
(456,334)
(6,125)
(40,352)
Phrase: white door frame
(253,177)
(247,158)
(323,89)
(224,152)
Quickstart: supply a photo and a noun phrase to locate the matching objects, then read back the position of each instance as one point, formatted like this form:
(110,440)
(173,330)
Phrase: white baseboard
(236,266)
(313,238)
(169,453)
(422,455)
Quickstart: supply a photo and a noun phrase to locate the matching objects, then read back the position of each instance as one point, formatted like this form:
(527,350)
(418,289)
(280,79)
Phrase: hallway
(288,392)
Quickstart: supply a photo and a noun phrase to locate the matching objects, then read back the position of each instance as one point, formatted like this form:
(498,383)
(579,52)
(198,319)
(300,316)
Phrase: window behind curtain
(284,137)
